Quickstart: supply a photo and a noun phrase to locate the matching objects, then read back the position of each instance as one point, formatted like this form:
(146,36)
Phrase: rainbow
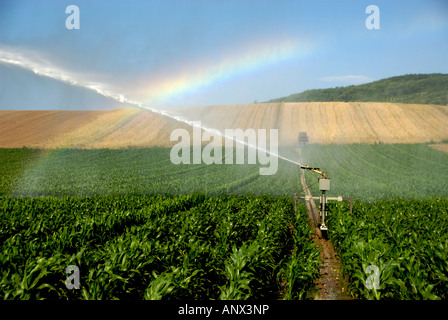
(160,89)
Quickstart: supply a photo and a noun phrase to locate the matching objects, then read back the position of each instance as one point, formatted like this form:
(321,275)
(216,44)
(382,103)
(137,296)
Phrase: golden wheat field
(325,123)
(334,122)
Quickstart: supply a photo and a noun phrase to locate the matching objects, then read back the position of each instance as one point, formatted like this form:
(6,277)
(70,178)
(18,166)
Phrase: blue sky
(192,53)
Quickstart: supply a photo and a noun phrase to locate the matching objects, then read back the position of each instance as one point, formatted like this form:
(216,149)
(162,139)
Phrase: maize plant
(149,247)
(404,241)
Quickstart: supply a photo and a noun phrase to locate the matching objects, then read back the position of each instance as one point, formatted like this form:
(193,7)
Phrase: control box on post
(324,184)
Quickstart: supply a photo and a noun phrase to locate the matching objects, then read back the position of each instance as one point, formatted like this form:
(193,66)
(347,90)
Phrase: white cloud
(352,79)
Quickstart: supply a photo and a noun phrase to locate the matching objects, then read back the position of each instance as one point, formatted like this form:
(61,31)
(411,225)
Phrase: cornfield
(155,247)
(404,242)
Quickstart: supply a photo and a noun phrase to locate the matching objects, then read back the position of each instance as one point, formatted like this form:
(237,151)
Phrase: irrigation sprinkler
(324,186)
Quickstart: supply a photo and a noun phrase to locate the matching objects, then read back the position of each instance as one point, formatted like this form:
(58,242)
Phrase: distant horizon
(124,106)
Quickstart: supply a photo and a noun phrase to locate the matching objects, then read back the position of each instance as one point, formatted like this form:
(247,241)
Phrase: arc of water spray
(45,69)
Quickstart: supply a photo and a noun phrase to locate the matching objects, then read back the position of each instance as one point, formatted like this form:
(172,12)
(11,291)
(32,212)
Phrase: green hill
(411,88)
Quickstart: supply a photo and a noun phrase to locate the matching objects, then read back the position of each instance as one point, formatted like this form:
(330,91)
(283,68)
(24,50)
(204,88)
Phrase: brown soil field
(123,128)
(32,128)
(325,123)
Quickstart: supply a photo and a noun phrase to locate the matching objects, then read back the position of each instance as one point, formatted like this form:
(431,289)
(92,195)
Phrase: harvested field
(31,128)
(440,146)
(334,122)
(121,128)
(325,123)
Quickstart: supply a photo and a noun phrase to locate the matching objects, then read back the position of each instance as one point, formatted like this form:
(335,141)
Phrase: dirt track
(326,123)
(331,285)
